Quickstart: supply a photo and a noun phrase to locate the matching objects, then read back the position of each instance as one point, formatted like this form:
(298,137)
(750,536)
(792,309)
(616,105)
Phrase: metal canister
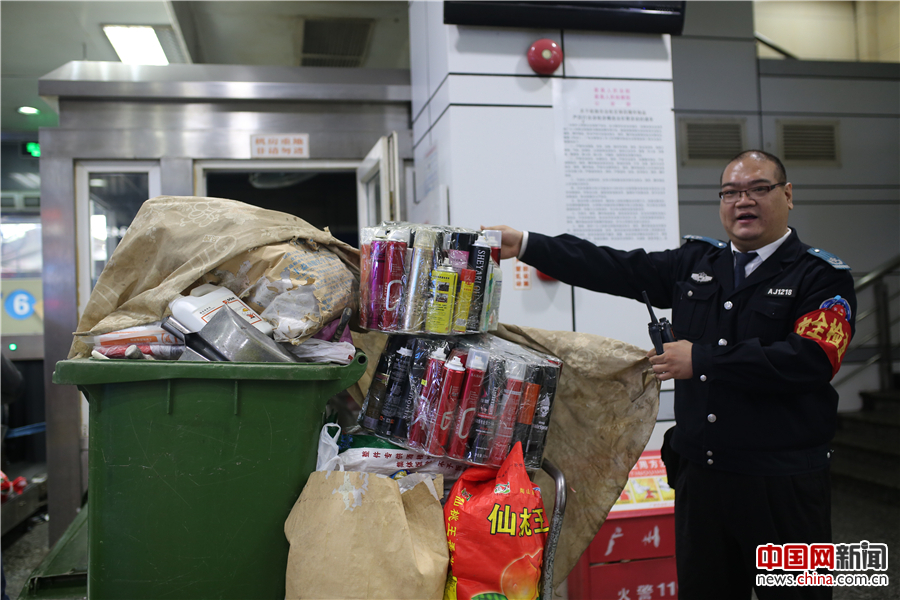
(397,389)
(439,315)
(460,243)
(463,300)
(395,257)
(512,396)
(414,300)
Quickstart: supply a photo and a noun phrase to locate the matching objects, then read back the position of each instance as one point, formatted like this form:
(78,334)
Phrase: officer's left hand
(675,361)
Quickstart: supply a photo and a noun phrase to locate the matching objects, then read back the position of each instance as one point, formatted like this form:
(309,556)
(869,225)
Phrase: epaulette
(708,240)
(830,258)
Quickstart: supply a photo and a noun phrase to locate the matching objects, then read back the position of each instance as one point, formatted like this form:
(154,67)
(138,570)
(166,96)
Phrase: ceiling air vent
(809,143)
(709,142)
(335,42)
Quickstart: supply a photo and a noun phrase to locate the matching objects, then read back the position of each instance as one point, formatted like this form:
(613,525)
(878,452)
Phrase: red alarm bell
(545,56)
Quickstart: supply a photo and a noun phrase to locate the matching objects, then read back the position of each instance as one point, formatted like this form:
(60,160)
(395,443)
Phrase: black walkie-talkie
(660,330)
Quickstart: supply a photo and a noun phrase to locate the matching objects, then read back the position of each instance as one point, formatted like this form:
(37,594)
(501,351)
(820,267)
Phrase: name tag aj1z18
(780,292)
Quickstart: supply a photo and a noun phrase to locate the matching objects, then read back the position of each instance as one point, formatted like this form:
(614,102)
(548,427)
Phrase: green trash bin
(193,469)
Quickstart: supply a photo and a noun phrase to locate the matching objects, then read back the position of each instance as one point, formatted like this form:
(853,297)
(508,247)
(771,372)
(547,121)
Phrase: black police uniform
(754,422)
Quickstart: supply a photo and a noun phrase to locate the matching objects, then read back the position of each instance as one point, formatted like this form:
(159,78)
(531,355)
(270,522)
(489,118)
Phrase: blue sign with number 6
(19,304)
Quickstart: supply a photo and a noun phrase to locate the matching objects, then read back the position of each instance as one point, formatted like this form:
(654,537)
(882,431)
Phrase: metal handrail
(769,43)
(882,311)
(880,271)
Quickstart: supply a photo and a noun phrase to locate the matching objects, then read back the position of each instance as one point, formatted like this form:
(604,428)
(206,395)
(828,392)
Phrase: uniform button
(703,378)
(828,455)
(690,293)
(711,418)
(709,462)
(723,342)
(729,305)
(709,452)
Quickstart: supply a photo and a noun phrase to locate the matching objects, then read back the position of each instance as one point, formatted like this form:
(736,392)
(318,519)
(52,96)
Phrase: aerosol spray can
(494,237)
(418,280)
(428,397)
(488,296)
(397,388)
(451,387)
(463,300)
(439,316)
(376,282)
(476,365)
(480,446)
(395,257)
(512,396)
(460,242)
(536,438)
(421,353)
(480,262)
(371,410)
(530,395)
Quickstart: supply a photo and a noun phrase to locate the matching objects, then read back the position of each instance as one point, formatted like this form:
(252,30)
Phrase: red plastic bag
(496,529)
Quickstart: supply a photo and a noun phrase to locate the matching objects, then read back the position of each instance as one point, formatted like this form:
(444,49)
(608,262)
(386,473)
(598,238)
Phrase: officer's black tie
(740,266)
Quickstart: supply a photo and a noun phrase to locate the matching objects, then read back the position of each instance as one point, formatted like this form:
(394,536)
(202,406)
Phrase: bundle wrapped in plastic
(426,278)
(469,399)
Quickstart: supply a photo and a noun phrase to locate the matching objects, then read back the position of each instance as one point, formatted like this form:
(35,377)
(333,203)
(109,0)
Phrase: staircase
(867,443)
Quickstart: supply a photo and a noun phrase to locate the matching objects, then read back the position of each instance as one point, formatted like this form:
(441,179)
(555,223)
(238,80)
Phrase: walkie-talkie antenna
(649,307)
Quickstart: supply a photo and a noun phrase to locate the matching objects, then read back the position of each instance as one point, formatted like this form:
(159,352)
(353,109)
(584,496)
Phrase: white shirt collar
(769,249)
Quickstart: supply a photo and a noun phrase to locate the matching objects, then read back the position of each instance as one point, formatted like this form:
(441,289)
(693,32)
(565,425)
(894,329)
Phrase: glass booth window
(115,199)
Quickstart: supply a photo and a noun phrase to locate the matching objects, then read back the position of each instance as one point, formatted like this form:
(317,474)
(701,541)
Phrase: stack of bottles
(432,279)
(466,398)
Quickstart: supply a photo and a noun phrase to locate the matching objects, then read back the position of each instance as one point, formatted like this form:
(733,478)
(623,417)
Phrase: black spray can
(480,262)
(421,352)
(371,409)
(397,389)
(485,418)
(534,449)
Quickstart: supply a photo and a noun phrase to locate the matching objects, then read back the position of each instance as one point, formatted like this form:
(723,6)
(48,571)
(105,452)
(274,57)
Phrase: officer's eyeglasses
(755,193)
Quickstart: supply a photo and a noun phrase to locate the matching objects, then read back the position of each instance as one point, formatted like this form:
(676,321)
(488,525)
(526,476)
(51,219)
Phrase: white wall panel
(477,89)
(613,317)
(617,55)
(493,51)
(436,35)
(847,96)
(502,171)
(714,75)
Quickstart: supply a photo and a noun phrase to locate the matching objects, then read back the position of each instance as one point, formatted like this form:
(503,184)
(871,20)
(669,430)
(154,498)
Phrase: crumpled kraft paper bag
(171,243)
(354,535)
(297,286)
(603,414)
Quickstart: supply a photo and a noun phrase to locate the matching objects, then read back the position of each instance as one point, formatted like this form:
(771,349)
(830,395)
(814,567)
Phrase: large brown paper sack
(603,414)
(353,535)
(173,242)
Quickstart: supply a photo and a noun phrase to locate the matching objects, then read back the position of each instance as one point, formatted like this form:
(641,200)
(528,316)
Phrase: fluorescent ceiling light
(136,44)
(29,110)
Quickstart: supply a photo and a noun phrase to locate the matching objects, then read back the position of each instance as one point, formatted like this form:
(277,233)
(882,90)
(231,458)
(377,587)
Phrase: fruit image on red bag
(496,530)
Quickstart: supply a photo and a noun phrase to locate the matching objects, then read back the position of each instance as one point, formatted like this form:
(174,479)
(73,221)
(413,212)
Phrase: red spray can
(454,374)
(395,256)
(428,397)
(475,370)
(512,394)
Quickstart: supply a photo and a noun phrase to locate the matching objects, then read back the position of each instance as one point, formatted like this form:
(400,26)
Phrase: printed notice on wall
(615,147)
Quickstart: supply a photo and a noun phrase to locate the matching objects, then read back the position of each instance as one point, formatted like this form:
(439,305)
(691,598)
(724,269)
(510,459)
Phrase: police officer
(762,324)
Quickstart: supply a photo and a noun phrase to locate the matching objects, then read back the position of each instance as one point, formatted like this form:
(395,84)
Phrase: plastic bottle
(196,310)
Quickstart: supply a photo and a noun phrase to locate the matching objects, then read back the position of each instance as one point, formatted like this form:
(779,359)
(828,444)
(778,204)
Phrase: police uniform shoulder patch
(708,240)
(830,258)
